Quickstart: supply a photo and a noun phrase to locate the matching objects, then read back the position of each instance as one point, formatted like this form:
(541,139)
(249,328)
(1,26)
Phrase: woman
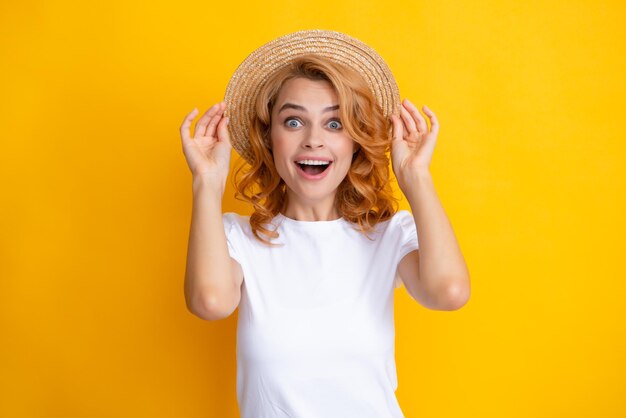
(313,269)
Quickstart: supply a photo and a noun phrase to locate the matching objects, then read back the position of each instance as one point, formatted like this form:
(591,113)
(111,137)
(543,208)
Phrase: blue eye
(290,124)
(295,123)
(335,124)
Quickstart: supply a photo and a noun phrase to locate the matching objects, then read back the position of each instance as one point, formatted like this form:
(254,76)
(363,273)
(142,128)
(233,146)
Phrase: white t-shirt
(315,330)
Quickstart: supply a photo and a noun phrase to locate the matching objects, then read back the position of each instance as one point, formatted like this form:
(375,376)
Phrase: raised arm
(436,275)
(213,279)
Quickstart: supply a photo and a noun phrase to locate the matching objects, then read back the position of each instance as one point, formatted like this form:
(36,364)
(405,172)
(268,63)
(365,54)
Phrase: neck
(310,211)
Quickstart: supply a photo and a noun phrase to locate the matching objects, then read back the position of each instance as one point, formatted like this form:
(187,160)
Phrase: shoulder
(235,220)
(233,217)
(402,226)
(402,215)
(402,219)
(392,228)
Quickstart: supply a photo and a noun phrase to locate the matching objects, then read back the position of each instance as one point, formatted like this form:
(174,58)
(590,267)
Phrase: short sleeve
(408,233)
(232,231)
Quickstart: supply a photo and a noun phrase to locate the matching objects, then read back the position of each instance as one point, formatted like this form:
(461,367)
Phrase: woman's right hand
(208,152)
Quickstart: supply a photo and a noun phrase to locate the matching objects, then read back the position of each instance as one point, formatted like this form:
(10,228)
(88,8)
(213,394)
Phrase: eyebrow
(302,108)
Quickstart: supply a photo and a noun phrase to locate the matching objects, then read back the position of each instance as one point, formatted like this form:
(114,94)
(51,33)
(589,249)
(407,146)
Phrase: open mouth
(315,169)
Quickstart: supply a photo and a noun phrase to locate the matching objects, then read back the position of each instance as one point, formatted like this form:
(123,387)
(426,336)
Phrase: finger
(410,134)
(202,123)
(222,132)
(422,127)
(409,122)
(434,122)
(215,120)
(186,125)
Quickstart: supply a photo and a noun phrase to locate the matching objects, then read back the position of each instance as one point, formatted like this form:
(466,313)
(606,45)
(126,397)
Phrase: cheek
(346,157)
(278,147)
(347,148)
(280,152)
(348,152)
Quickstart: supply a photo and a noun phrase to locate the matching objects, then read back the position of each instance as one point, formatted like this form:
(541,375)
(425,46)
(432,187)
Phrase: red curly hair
(364,197)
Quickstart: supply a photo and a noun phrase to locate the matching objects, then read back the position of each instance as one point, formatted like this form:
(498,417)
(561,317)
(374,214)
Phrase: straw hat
(254,71)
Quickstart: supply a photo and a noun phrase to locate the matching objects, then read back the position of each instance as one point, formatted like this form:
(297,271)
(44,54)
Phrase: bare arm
(436,275)
(212,278)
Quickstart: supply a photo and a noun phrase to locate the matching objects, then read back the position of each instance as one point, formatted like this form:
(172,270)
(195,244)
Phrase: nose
(313,139)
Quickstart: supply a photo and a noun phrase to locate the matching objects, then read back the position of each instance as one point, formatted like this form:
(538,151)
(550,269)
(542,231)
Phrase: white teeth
(313,162)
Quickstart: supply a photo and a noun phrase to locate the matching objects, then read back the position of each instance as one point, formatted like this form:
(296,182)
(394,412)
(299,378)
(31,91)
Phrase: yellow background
(96,201)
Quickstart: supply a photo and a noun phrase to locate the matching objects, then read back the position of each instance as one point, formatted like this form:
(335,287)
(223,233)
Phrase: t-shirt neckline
(309,224)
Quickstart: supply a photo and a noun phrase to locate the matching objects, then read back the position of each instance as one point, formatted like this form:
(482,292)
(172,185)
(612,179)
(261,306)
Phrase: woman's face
(312,152)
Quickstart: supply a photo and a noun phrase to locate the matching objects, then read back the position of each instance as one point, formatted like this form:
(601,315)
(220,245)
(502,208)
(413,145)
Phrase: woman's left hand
(413,144)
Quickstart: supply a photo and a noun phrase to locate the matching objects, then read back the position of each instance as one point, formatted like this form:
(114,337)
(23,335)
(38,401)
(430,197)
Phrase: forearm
(442,268)
(207,275)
